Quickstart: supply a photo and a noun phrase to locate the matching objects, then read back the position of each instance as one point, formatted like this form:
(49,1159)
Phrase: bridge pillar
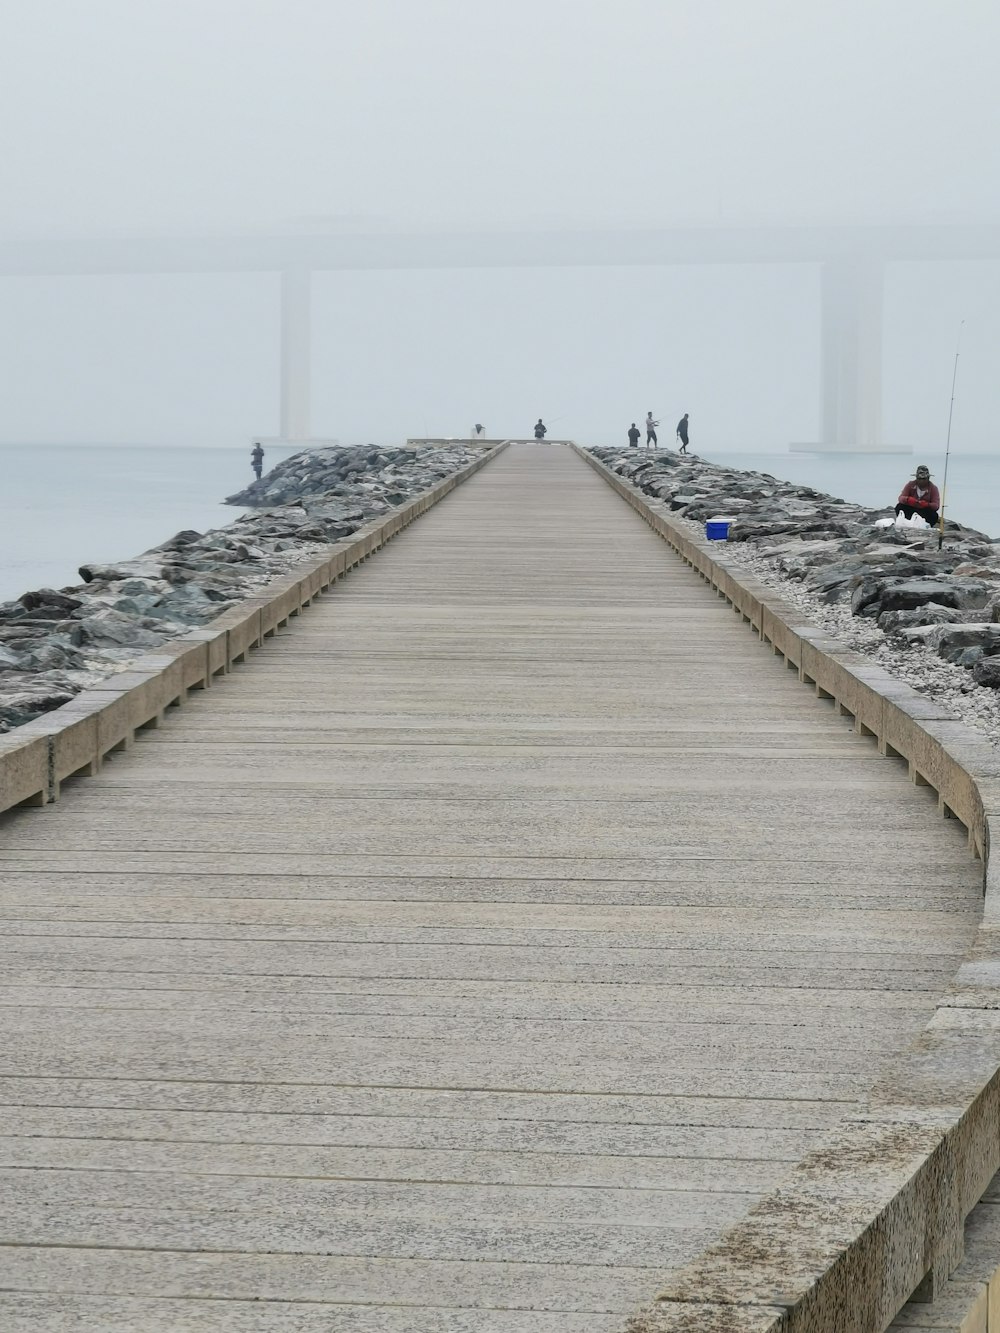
(851,360)
(296,358)
(852,355)
(296,352)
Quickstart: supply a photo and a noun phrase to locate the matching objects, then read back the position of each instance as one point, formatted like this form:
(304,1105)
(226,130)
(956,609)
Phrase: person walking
(540,431)
(682,433)
(633,436)
(257,460)
(651,426)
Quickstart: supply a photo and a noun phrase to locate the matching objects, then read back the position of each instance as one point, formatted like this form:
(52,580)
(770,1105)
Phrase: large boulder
(873,596)
(986,672)
(929,614)
(44,599)
(953,642)
(23,698)
(108,626)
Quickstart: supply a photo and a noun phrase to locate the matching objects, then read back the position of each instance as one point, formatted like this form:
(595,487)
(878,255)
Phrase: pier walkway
(470,958)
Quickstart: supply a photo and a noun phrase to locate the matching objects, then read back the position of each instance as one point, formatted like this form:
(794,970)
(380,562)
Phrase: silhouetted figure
(540,431)
(651,426)
(479,428)
(257,460)
(633,436)
(682,433)
(920,496)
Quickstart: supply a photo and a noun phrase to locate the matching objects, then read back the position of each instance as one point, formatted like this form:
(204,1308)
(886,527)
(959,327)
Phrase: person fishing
(257,460)
(920,496)
(633,435)
(682,433)
(540,431)
(651,426)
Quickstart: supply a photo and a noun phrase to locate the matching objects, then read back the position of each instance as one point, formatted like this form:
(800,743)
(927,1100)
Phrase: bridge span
(478,956)
(851,259)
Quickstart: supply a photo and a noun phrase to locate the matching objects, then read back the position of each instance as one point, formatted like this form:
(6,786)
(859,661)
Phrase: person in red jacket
(920,496)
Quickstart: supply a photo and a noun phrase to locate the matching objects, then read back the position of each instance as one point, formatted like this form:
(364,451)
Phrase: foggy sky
(141,116)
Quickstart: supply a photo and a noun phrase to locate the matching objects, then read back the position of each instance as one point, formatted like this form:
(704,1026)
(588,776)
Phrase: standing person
(633,436)
(651,426)
(257,460)
(920,496)
(682,433)
(540,431)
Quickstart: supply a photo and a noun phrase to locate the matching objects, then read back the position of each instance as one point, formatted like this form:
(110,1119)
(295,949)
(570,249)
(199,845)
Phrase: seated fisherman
(920,496)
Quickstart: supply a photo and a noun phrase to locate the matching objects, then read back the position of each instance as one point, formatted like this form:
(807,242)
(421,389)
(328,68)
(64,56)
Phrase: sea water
(67,505)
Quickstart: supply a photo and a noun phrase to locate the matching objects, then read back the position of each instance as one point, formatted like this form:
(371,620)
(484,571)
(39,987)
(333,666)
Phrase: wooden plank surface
(476,953)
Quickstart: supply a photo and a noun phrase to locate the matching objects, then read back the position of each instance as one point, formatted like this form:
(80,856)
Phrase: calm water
(63,505)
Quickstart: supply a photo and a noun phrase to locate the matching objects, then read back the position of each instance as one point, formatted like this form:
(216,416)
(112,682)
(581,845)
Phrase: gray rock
(140,587)
(874,596)
(181,539)
(986,672)
(915,636)
(136,606)
(60,602)
(929,614)
(953,641)
(968,657)
(108,626)
(24,702)
(95,572)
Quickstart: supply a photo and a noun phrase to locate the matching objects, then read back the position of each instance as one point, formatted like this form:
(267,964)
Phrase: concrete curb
(76,738)
(876,1216)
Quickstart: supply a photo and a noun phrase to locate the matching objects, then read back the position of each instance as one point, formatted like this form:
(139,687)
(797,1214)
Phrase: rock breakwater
(56,642)
(930,617)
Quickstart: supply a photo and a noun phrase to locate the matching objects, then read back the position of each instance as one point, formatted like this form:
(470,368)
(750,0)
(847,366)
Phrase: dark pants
(651,435)
(257,469)
(684,443)
(928,515)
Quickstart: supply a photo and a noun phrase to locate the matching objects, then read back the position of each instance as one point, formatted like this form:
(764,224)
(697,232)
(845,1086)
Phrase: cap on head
(923,471)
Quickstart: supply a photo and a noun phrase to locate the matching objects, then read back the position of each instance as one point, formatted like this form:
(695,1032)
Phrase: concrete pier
(476,955)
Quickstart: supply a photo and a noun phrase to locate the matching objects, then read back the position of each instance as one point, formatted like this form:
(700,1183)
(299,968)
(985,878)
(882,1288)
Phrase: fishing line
(947,446)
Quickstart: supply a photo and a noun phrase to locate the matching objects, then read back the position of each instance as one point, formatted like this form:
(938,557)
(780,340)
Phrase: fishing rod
(947,446)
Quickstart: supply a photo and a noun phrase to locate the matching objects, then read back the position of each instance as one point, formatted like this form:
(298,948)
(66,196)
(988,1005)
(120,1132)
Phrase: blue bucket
(717,529)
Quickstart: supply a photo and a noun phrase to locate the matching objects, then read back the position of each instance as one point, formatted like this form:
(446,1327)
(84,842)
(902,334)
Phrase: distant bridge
(852,259)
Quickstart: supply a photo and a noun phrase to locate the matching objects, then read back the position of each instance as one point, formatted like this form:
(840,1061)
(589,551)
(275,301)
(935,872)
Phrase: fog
(224,117)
